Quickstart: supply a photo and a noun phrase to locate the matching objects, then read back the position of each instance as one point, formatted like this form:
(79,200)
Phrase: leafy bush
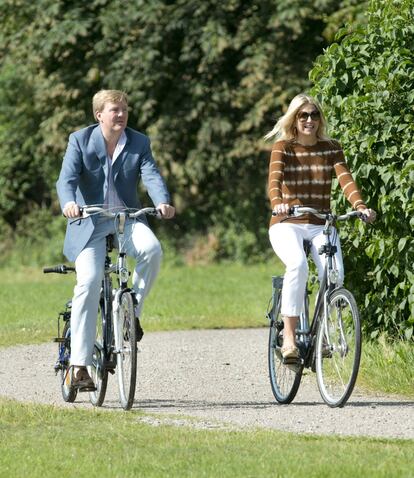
(365,82)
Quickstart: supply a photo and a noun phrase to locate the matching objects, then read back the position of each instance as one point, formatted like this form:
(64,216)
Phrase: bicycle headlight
(123,273)
(333,276)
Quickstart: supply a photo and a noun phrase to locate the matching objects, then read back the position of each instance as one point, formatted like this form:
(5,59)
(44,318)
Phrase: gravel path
(217,376)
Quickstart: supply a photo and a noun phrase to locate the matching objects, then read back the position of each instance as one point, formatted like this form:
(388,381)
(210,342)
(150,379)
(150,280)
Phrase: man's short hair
(107,96)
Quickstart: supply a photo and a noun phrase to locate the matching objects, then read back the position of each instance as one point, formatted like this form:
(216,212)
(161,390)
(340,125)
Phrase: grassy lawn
(388,366)
(215,296)
(43,441)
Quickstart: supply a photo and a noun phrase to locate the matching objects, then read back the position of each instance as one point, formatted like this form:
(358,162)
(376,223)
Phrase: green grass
(224,295)
(43,441)
(388,366)
(29,303)
(214,296)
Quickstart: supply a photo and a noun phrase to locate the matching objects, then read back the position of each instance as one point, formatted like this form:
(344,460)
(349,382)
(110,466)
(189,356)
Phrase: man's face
(114,116)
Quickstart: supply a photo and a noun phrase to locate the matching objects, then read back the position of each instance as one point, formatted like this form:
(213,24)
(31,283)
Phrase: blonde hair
(107,96)
(285,128)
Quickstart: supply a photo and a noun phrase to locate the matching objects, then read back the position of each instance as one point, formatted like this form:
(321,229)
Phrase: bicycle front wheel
(127,355)
(284,378)
(338,349)
(98,371)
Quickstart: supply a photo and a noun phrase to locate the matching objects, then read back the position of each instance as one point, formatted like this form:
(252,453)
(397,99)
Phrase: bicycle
(330,344)
(115,346)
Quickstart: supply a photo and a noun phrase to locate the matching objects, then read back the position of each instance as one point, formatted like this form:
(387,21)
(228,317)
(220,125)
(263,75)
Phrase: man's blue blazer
(84,179)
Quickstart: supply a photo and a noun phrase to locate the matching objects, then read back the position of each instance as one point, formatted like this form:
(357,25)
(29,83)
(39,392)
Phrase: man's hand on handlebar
(167,211)
(71,210)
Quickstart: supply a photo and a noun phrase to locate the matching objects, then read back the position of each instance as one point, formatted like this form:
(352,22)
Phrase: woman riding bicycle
(302,163)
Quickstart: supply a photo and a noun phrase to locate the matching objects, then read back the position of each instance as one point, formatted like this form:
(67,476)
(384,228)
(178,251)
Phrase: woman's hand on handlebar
(369,215)
(281,209)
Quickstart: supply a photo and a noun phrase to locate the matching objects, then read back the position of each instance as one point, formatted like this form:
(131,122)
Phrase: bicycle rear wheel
(284,378)
(338,349)
(127,355)
(69,393)
(98,371)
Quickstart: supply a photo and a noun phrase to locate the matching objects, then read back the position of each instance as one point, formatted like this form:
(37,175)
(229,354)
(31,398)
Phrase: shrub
(364,81)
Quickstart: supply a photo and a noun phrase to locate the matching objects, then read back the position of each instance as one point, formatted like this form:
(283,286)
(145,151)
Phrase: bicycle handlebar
(297,211)
(60,269)
(87,211)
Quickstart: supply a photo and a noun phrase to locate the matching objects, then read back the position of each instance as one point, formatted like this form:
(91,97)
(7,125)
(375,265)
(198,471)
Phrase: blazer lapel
(100,147)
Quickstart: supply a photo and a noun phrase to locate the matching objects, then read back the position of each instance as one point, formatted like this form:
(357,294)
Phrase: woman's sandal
(290,352)
(82,381)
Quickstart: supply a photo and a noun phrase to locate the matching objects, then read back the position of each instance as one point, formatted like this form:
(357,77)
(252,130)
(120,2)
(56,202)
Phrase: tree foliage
(365,81)
(206,80)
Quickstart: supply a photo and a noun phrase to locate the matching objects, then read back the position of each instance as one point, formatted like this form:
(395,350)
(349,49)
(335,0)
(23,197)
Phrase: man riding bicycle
(103,165)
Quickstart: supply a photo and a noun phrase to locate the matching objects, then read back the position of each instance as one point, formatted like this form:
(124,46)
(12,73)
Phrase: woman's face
(307,122)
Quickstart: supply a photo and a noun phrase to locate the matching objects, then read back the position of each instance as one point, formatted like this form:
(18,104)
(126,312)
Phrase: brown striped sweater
(302,175)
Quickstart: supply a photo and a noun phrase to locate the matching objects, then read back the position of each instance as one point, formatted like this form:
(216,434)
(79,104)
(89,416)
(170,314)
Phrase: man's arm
(68,180)
(152,179)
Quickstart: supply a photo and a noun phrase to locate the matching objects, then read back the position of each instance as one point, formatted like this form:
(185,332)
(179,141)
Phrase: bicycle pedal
(293,361)
(110,366)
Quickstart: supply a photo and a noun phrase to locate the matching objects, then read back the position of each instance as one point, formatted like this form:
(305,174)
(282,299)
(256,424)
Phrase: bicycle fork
(117,326)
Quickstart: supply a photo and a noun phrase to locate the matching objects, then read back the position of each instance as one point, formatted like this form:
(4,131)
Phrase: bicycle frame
(307,331)
(106,310)
(111,298)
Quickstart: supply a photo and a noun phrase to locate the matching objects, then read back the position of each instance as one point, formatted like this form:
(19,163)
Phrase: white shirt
(119,146)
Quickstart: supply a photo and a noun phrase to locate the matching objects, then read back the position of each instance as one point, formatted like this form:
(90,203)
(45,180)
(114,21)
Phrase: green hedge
(365,81)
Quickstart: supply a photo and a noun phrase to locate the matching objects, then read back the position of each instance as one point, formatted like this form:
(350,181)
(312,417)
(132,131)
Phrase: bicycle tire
(97,370)
(338,349)
(284,378)
(127,355)
(69,392)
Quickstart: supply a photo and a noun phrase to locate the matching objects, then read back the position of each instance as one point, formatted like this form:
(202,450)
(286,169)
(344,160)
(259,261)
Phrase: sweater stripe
(303,175)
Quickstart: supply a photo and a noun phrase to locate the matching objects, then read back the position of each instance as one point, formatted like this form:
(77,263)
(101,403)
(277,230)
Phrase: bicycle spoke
(97,371)
(284,378)
(127,354)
